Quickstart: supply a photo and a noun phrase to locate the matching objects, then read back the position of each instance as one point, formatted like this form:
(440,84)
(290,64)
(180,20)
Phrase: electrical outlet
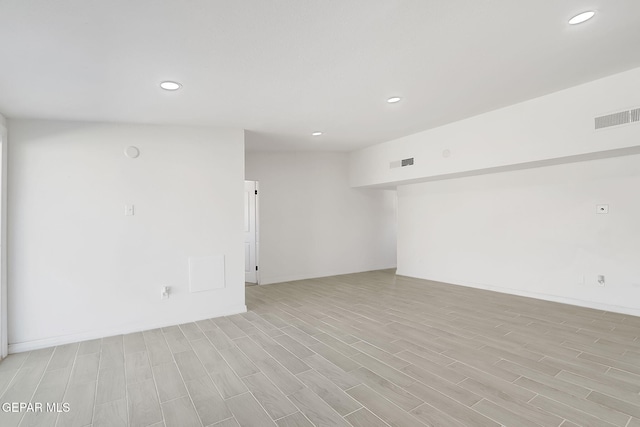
(600,280)
(128,210)
(164,292)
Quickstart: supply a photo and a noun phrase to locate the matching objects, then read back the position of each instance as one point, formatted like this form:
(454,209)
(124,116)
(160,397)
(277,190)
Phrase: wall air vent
(617,119)
(614,119)
(401,163)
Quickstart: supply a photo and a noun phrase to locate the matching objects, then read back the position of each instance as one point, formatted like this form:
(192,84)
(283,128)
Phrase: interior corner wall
(531,232)
(312,224)
(78,267)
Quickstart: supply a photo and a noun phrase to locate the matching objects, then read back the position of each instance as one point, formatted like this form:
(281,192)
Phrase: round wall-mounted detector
(446,153)
(169,85)
(131,152)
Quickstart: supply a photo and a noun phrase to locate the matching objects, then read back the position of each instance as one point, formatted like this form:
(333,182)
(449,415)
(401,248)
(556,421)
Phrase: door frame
(256,216)
(258,272)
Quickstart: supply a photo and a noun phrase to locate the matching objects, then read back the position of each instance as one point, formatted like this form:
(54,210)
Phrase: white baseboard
(95,334)
(537,295)
(304,276)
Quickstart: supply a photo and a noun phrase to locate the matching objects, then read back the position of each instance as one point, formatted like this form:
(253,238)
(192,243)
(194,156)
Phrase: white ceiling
(284,68)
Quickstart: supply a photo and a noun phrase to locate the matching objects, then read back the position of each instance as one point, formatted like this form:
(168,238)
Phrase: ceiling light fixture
(169,85)
(316,134)
(393,99)
(581,17)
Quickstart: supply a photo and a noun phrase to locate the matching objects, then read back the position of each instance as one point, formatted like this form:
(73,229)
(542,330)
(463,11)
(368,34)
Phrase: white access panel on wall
(206,273)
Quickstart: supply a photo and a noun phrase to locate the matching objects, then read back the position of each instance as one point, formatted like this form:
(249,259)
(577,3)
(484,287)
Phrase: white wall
(312,223)
(78,267)
(533,232)
(551,129)
(490,216)
(3,238)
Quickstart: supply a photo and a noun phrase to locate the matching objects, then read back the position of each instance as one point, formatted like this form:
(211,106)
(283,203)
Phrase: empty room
(367,213)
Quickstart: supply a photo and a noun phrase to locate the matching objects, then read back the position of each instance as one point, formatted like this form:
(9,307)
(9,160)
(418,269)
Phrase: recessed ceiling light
(393,99)
(316,134)
(168,85)
(581,17)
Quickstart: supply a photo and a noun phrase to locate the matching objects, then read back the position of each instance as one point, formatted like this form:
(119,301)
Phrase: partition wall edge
(3,238)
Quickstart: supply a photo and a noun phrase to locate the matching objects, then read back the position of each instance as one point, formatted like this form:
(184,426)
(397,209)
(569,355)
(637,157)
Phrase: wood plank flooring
(369,349)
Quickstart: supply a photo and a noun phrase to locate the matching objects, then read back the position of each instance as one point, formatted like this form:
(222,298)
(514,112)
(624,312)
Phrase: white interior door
(250,229)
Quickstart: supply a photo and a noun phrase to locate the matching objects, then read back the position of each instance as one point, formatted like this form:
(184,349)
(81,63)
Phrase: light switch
(128,210)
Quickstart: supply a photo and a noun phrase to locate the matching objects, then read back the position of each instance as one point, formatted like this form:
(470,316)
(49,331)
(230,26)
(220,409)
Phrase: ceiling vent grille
(401,163)
(617,119)
(614,119)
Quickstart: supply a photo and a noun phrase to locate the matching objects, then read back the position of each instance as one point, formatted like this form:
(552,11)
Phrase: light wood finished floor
(368,350)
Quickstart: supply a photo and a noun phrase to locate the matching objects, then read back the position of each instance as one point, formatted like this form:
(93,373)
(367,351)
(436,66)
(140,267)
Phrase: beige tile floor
(368,349)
